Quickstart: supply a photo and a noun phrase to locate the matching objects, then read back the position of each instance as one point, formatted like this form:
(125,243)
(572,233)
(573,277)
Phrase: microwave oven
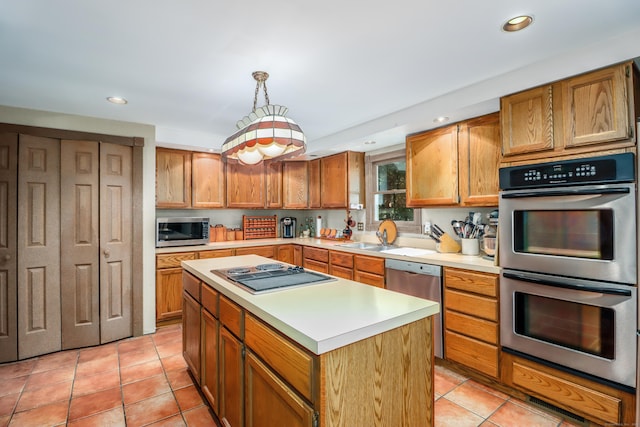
(182,231)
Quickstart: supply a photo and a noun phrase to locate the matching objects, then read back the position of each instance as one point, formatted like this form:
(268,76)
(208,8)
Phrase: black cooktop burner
(269,277)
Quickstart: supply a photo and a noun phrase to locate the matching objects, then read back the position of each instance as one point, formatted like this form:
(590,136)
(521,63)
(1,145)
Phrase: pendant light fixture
(266,133)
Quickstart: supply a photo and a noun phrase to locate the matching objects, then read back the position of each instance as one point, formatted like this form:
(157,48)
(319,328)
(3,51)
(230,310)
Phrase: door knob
(7,257)
(106,253)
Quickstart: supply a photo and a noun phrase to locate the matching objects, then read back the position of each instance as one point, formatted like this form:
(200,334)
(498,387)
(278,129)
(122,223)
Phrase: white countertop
(458,260)
(320,317)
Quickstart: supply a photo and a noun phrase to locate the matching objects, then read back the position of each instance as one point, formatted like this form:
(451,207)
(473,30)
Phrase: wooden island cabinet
(254,373)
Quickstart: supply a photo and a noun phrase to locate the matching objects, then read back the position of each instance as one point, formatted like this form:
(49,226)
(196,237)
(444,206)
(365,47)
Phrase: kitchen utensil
(470,246)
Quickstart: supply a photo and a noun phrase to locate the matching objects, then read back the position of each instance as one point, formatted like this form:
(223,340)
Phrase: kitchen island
(331,354)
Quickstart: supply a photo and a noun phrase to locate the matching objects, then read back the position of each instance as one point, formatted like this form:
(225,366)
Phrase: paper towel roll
(318,225)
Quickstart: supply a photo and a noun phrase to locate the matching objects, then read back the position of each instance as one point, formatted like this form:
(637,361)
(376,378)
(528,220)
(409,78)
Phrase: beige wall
(26,117)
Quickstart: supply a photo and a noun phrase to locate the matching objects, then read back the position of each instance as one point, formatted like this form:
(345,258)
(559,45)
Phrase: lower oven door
(581,325)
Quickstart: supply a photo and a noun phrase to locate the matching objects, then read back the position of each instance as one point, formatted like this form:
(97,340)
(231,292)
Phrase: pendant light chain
(261,80)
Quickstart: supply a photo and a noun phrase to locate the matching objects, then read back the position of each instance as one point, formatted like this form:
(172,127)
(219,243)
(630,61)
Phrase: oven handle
(559,284)
(576,192)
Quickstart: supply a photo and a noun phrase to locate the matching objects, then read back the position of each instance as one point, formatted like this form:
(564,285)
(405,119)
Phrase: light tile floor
(144,381)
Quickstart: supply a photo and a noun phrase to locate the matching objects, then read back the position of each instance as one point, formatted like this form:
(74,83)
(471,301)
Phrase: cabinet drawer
(567,393)
(232,316)
(369,264)
(473,305)
(342,259)
(265,251)
(218,253)
(311,264)
(483,330)
(317,254)
(209,299)
(471,281)
(342,272)
(173,260)
(191,284)
(480,356)
(369,279)
(291,362)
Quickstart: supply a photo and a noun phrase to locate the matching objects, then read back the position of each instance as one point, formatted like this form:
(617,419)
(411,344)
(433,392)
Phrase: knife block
(448,245)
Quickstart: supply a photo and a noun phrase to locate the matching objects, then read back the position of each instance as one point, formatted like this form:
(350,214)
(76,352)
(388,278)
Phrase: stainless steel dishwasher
(419,280)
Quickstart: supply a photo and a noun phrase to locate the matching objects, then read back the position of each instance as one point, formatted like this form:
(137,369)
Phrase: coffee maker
(288,227)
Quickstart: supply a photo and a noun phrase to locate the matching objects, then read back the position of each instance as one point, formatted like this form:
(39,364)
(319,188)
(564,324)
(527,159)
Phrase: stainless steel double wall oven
(568,251)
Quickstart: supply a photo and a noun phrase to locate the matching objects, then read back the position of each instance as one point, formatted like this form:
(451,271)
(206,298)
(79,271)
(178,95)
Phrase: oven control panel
(594,170)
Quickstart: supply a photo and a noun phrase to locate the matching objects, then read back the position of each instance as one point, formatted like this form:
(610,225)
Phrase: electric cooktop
(271,277)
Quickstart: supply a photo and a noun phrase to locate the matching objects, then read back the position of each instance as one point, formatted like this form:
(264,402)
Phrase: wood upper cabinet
(527,121)
(295,184)
(208,179)
(432,167)
(273,171)
(173,178)
(455,165)
(315,199)
(246,186)
(342,180)
(597,107)
(575,117)
(479,161)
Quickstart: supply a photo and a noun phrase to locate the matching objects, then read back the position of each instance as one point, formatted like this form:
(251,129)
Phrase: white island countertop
(320,317)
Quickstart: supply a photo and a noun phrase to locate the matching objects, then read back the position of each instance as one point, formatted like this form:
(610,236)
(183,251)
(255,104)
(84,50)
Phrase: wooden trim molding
(72,134)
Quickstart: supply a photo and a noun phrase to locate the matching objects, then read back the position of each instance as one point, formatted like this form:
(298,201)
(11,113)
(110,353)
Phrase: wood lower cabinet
(341,264)
(191,334)
(316,259)
(291,254)
(595,402)
(269,401)
(369,270)
(265,251)
(575,117)
(216,253)
(231,363)
(169,286)
(209,327)
(471,323)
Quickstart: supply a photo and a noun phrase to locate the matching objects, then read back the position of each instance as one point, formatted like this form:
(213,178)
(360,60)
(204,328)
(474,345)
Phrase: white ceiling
(348,70)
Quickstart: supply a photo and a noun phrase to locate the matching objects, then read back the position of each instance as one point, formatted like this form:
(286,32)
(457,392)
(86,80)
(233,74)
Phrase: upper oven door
(584,231)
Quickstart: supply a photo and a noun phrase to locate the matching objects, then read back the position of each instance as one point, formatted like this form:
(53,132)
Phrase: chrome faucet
(383,237)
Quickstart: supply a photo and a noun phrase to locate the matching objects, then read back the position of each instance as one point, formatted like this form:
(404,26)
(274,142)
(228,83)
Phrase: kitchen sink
(365,246)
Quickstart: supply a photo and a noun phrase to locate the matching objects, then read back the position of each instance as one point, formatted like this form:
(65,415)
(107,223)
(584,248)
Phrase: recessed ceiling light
(518,23)
(369,142)
(117,100)
(441,119)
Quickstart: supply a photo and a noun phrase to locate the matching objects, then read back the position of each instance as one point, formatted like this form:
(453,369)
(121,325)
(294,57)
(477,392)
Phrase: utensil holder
(448,245)
(470,246)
